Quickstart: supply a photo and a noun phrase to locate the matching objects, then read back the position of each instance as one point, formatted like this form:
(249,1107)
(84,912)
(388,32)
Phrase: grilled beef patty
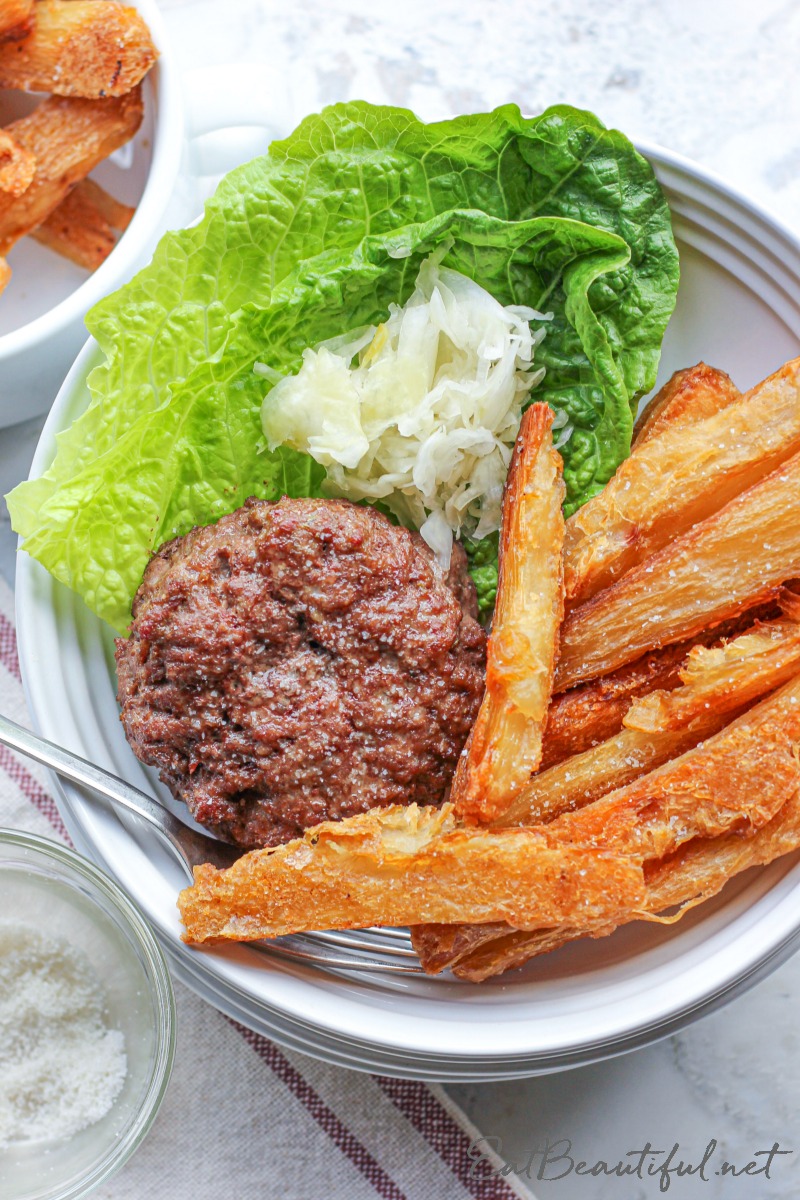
(300,662)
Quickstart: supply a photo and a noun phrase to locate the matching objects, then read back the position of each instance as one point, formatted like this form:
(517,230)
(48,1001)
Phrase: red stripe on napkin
(38,797)
(8,648)
(448,1139)
(325,1117)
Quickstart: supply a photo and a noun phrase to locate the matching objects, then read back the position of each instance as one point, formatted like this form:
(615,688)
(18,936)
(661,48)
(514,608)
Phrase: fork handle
(76,769)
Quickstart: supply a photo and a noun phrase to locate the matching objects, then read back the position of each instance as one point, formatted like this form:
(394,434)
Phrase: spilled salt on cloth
(61,1067)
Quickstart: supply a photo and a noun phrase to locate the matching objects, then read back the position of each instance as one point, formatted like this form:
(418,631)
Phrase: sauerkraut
(421,412)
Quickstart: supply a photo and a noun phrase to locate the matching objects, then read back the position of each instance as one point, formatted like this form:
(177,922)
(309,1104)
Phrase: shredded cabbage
(425,421)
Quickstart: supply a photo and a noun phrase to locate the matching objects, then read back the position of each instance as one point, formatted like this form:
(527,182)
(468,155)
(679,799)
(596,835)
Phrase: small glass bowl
(45,885)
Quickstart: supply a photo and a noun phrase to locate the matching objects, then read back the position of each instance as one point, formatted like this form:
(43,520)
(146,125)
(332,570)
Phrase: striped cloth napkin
(244,1118)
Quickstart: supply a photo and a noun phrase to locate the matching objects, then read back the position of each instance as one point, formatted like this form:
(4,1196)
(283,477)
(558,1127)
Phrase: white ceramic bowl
(162,173)
(738,308)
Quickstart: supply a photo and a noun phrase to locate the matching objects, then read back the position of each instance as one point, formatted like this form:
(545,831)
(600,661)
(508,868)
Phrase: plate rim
(626,1037)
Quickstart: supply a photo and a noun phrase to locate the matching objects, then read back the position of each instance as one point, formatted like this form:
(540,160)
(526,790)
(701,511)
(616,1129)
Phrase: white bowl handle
(232,113)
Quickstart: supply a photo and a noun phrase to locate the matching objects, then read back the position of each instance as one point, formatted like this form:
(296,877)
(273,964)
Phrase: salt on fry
(401,865)
(738,779)
(79,228)
(720,678)
(689,396)
(619,760)
(696,872)
(17,166)
(90,48)
(16,18)
(677,479)
(68,138)
(729,562)
(732,784)
(594,711)
(505,745)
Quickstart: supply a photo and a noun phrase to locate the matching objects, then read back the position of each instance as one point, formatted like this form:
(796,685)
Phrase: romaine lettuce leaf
(317,237)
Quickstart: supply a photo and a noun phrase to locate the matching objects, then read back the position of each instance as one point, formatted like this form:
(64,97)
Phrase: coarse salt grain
(61,1067)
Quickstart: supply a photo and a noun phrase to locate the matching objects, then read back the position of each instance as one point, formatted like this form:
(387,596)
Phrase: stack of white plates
(739,309)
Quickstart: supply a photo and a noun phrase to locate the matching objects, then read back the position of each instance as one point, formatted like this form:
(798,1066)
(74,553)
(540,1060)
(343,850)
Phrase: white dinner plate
(739,309)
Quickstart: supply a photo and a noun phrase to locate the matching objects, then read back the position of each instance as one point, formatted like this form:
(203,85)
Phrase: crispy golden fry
(689,396)
(737,779)
(586,777)
(730,785)
(505,745)
(118,215)
(17,166)
(91,48)
(79,229)
(673,481)
(5,274)
(16,18)
(68,139)
(593,712)
(727,563)
(405,864)
(720,678)
(699,870)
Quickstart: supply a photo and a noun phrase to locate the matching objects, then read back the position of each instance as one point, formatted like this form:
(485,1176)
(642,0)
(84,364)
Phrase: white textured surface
(713,79)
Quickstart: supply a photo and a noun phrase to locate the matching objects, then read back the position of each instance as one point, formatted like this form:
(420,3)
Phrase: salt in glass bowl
(48,886)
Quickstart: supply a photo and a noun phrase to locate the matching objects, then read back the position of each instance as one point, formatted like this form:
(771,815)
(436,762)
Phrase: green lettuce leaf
(317,237)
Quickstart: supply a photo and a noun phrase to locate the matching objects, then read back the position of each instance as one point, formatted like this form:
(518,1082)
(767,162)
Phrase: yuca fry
(82,227)
(689,396)
(395,866)
(17,166)
(586,777)
(738,778)
(675,480)
(727,563)
(733,783)
(118,215)
(505,744)
(696,872)
(5,274)
(68,138)
(90,48)
(16,18)
(721,678)
(79,230)
(594,711)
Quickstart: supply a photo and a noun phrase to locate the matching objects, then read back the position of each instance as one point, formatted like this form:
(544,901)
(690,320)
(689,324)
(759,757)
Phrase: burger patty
(300,662)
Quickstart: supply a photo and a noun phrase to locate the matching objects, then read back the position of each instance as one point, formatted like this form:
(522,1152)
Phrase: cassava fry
(399,865)
(68,138)
(16,18)
(673,481)
(720,678)
(90,48)
(689,396)
(738,778)
(586,777)
(79,230)
(17,166)
(594,711)
(118,215)
(699,870)
(5,274)
(505,744)
(734,783)
(727,563)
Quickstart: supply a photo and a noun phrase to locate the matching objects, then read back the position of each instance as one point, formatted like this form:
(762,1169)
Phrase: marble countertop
(717,81)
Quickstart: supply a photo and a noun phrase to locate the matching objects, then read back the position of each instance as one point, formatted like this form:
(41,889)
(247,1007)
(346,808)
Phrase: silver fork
(387,950)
